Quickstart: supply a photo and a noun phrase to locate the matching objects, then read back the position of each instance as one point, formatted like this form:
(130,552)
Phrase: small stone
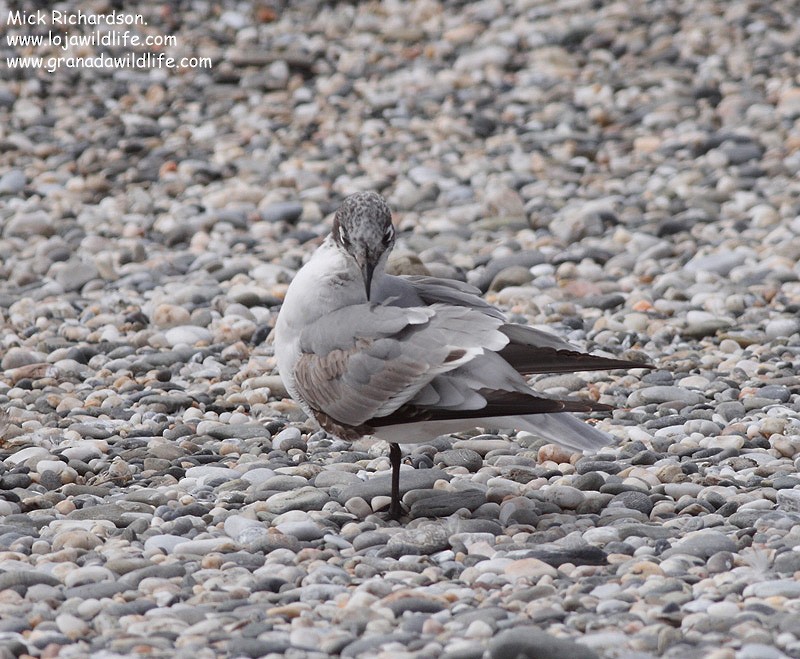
(302,530)
(703,544)
(775,588)
(442,504)
(202,547)
(305,498)
(741,152)
(529,568)
(71,626)
(12,182)
(467,458)
(16,357)
(787,563)
(775,392)
(554,453)
(703,323)
(423,540)
(780,328)
(26,579)
(720,263)
(72,275)
(76,538)
(187,334)
(170,315)
(358,507)
(524,259)
(406,263)
(664,394)
(564,496)
(206,473)
(37,223)
(90,574)
(577,221)
(515,275)
(760,651)
(162,541)
(283,211)
(589,481)
(533,643)
(288,438)
(633,500)
(789,102)
(789,500)
(481,446)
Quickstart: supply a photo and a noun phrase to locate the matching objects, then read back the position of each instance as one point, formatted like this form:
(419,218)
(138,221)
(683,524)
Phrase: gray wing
(528,351)
(365,361)
(415,291)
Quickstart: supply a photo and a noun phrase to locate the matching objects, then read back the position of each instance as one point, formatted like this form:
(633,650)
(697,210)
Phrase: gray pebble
(286,211)
(16,357)
(26,579)
(787,562)
(36,223)
(778,328)
(74,274)
(702,544)
(371,643)
(590,480)
(720,263)
(789,500)
(443,504)
(534,643)
(306,498)
(12,182)
(774,588)
(418,541)
(288,438)
(664,394)
(466,458)
(633,500)
(564,496)
(525,259)
(775,392)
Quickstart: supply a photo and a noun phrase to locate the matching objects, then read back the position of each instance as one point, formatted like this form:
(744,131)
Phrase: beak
(366,271)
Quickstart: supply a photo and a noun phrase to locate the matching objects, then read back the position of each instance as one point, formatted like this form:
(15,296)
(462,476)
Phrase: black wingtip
(531,360)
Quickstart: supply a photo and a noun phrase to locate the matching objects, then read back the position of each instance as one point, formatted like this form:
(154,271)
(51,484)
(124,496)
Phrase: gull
(410,358)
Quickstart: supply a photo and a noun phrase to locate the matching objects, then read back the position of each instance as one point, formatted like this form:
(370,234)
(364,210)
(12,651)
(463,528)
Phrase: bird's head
(363,231)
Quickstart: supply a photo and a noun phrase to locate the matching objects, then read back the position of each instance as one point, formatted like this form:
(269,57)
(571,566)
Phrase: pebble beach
(622,174)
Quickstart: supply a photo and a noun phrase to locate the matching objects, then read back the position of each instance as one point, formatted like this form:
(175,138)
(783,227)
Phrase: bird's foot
(393,511)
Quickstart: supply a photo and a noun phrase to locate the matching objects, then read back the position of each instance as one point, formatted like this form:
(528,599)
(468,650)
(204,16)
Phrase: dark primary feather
(529,350)
(498,403)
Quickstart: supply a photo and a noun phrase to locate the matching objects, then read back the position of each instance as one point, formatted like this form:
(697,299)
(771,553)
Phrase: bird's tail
(562,429)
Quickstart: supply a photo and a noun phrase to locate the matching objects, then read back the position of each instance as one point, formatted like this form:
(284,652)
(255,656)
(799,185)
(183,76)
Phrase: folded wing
(365,361)
(434,351)
(529,350)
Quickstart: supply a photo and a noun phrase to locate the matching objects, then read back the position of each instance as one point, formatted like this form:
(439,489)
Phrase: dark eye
(388,235)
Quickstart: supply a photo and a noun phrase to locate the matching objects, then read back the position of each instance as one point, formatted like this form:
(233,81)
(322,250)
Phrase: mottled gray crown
(363,219)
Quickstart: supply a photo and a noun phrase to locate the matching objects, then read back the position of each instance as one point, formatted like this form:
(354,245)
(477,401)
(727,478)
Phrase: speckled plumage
(362,227)
(363,217)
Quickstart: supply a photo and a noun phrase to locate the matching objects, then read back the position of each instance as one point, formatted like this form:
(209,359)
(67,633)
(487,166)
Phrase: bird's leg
(394,458)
